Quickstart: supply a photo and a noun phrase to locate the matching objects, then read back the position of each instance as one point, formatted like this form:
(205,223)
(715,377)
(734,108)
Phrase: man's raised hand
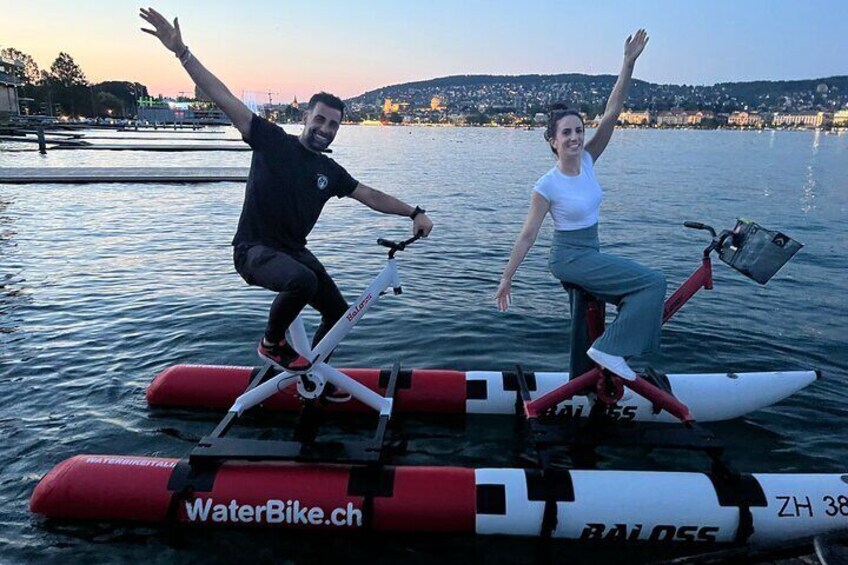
(168,34)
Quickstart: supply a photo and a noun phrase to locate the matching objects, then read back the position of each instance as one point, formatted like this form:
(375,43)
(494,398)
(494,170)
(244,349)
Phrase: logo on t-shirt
(322,182)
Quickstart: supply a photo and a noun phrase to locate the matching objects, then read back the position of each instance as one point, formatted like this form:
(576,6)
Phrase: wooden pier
(169,138)
(161,148)
(129,175)
(64,141)
(56,140)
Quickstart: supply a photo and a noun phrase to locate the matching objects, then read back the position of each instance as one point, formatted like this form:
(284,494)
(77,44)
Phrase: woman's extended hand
(634,45)
(504,294)
(168,34)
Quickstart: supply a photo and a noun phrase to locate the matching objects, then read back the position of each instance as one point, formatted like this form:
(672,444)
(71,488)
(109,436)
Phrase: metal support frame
(582,436)
(216,447)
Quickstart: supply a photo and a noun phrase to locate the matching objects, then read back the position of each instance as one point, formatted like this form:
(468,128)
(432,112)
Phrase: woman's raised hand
(634,45)
(168,34)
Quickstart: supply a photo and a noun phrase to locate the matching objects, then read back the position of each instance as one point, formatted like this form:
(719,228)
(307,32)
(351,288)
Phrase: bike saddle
(570,287)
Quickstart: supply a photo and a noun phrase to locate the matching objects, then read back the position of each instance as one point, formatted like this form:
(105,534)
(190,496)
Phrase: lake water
(106,285)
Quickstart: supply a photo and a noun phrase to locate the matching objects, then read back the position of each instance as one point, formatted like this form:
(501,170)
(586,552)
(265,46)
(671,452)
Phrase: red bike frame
(596,378)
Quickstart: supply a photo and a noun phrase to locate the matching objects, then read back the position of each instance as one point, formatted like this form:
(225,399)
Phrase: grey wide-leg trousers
(637,291)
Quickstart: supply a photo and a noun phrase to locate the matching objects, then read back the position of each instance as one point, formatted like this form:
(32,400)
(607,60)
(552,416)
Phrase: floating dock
(135,175)
(166,148)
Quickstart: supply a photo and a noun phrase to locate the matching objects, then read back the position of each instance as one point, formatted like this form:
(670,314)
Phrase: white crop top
(575,201)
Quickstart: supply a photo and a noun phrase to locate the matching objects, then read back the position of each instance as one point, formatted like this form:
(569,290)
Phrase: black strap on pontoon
(548,483)
(741,490)
(375,479)
(371,481)
(551,485)
(184,482)
(403,378)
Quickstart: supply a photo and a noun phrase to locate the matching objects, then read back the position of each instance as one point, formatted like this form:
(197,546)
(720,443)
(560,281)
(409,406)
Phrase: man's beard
(318,143)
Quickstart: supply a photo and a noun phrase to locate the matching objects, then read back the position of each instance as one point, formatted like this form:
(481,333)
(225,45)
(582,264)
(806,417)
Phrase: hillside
(527,93)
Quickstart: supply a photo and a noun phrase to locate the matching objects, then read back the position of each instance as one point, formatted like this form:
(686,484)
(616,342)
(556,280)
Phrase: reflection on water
(11,281)
(808,194)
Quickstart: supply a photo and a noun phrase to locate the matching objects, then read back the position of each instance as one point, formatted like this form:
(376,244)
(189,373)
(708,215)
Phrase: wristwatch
(416,212)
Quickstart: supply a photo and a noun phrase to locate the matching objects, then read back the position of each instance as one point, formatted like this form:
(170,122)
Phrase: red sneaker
(282,356)
(332,393)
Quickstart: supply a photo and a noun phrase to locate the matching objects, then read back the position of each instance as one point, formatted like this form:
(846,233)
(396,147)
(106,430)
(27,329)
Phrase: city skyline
(294,49)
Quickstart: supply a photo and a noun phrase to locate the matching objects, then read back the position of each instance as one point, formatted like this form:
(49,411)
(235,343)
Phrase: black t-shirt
(286,190)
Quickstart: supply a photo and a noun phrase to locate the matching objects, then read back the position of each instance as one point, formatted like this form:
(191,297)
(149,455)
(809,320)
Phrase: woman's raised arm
(633,47)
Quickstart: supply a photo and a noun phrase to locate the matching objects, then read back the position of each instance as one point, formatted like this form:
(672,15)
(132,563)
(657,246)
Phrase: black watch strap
(416,212)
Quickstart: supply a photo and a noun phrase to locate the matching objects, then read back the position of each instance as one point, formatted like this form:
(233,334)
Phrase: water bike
(706,397)
(310,483)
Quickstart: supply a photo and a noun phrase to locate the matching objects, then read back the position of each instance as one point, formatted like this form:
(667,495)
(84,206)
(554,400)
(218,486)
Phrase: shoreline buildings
(9,102)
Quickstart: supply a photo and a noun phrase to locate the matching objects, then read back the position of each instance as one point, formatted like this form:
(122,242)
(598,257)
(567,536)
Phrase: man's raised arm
(171,38)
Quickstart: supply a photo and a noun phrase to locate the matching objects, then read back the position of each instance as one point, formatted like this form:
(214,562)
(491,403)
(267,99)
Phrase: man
(290,181)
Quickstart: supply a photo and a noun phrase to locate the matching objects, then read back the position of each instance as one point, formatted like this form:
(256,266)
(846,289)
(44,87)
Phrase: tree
(28,73)
(65,72)
(477,119)
(66,87)
(109,105)
(127,92)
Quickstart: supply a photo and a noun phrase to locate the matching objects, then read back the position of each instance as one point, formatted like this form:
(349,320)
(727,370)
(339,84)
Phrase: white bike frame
(320,372)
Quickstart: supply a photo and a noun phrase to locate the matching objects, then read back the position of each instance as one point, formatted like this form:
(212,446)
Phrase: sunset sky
(297,48)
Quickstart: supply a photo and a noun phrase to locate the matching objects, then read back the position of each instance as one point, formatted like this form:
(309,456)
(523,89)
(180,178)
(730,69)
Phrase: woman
(570,193)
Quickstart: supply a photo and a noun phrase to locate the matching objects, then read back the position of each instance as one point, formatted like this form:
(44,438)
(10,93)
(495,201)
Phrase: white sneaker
(612,363)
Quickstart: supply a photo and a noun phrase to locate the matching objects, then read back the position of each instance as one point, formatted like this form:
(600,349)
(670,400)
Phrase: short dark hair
(328,99)
(556,112)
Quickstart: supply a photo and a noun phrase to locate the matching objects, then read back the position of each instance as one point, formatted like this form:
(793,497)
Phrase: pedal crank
(309,385)
(609,388)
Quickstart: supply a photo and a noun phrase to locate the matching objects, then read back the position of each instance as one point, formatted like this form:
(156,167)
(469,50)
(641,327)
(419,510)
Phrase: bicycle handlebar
(394,247)
(700,226)
(718,239)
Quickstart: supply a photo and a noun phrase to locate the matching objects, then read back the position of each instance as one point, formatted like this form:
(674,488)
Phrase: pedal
(609,388)
(659,380)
